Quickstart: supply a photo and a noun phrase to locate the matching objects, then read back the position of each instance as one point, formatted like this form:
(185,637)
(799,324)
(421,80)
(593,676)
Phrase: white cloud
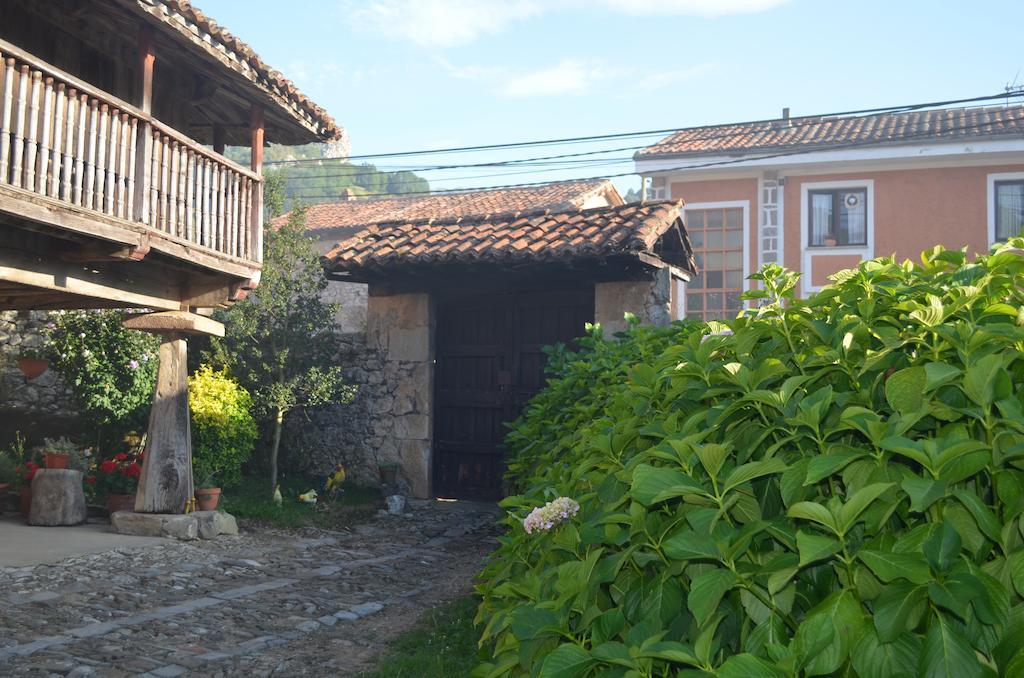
(692,7)
(569,76)
(441,23)
(662,79)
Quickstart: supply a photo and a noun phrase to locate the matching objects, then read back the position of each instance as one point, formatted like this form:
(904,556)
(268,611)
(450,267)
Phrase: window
(716,236)
(1009,199)
(838,217)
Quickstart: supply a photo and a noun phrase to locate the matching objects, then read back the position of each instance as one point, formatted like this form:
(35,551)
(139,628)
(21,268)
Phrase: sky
(404,75)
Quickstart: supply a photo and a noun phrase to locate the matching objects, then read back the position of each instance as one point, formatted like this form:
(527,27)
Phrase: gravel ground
(304,602)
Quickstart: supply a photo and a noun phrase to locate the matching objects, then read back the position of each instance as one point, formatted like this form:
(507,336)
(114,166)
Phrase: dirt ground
(306,602)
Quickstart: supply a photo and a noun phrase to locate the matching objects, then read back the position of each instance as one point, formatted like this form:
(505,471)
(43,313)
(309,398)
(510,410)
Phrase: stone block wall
(649,299)
(44,398)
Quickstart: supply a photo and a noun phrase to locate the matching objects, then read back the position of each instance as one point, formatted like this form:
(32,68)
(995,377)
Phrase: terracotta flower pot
(207,498)
(33,367)
(120,502)
(25,500)
(56,460)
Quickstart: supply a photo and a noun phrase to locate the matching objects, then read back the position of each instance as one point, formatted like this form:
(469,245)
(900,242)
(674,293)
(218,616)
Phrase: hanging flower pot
(32,367)
(120,502)
(207,498)
(56,460)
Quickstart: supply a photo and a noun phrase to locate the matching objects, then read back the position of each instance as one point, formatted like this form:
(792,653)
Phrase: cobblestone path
(306,602)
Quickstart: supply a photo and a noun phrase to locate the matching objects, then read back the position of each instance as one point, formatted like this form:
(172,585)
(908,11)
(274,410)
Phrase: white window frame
(807,253)
(726,204)
(990,199)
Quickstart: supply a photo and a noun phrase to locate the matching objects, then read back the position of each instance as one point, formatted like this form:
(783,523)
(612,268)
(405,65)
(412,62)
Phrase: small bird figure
(308,497)
(277,495)
(333,483)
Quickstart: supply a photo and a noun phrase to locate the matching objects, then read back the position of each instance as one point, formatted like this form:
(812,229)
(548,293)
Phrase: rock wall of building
(45,395)
(649,299)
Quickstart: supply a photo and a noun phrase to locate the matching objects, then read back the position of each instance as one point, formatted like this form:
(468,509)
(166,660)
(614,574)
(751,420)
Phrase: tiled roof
(946,124)
(349,216)
(221,39)
(517,239)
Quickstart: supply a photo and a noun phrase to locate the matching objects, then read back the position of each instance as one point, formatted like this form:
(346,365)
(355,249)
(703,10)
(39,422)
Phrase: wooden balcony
(74,158)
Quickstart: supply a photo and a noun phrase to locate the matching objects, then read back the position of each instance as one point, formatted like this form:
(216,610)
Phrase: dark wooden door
(490,362)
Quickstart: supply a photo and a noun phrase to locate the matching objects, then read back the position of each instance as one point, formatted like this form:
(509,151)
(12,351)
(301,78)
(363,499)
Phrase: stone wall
(389,420)
(649,300)
(45,398)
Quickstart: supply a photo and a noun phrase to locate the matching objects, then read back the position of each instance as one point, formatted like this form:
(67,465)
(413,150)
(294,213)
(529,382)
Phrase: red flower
(109,466)
(91,480)
(121,456)
(133,470)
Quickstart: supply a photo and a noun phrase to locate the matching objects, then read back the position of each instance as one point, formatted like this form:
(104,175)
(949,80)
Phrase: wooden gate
(489,364)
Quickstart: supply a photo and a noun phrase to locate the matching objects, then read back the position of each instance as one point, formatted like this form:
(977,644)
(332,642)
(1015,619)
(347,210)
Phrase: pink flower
(551,514)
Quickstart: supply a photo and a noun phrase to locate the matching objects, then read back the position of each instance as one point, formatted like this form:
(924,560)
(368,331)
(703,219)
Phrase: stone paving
(303,602)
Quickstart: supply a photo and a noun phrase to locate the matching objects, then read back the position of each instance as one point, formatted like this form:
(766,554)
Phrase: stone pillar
(649,299)
(401,327)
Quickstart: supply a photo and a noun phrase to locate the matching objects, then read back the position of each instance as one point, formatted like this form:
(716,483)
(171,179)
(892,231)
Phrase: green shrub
(110,369)
(223,429)
(833,488)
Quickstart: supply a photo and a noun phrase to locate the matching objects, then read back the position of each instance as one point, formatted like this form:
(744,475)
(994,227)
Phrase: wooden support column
(256,165)
(144,148)
(218,139)
(166,484)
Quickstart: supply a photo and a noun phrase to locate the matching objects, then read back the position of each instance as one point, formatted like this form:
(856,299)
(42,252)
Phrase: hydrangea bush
(830,486)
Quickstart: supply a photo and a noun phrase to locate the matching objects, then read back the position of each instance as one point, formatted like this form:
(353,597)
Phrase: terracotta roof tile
(327,128)
(353,215)
(505,240)
(943,124)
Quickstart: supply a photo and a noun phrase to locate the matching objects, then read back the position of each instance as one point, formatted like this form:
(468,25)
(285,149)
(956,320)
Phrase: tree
(280,341)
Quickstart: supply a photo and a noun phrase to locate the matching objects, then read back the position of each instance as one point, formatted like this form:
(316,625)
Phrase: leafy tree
(632,195)
(280,341)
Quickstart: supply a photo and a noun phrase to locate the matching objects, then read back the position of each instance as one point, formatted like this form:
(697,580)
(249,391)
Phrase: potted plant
(207,494)
(8,471)
(32,365)
(116,480)
(58,453)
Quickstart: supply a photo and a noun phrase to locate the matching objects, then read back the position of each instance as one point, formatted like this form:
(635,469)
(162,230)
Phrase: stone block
(212,524)
(412,427)
(137,524)
(415,456)
(57,498)
(226,524)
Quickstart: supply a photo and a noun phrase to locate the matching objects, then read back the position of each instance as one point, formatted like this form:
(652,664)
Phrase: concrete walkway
(22,545)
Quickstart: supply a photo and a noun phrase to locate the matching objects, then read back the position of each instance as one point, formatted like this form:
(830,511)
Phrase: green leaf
(904,390)
(748,666)
(982,380)
(889,566)
(982,514)
(566,661)
(530,621)
(874,659)
(947,654)
(669,651)
(815,547)
(939,374)
(712,456)
(614,653)
(689,545)
(923,492)
(942,548)
(808,510)
(860,500)
(899,609)
(824,639)
(755,469)
(655,484)
(823,466)
(608,625)
(706,591)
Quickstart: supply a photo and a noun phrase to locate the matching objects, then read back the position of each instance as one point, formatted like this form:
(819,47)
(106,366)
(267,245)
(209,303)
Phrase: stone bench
(57,498)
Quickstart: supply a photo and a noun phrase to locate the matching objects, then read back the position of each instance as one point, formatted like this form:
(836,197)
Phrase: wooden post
(218,139)
(144,152)
(256,165)
(166,484)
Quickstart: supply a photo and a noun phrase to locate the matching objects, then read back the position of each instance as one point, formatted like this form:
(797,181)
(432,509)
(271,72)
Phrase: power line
(626,135)
(733,161)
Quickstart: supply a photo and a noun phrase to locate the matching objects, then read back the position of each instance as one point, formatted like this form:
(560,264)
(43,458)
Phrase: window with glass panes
(1009,208)
(716,236)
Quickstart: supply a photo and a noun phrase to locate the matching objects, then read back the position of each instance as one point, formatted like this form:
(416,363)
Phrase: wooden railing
(63,139)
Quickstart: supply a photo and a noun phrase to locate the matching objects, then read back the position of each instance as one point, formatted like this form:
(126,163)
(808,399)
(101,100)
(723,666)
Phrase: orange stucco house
(820,194)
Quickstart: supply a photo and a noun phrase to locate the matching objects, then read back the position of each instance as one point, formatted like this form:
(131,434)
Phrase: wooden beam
(181,322)
(166,484)
(58,276)
(144,143)
(256,165)
(218,139)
